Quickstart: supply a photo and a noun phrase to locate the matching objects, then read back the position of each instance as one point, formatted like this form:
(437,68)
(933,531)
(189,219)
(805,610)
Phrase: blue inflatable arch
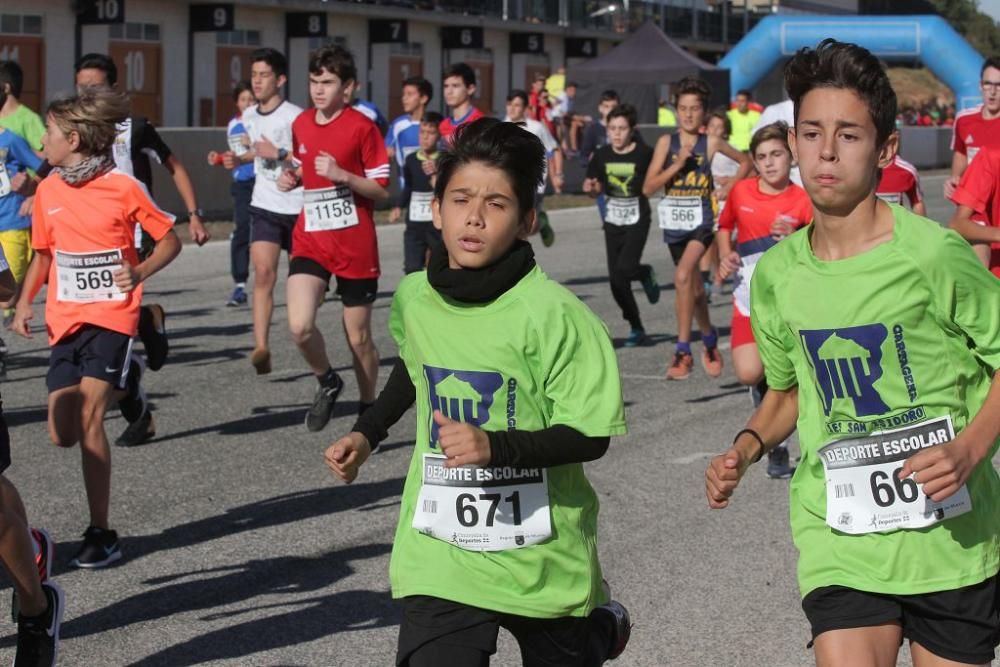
(927,38)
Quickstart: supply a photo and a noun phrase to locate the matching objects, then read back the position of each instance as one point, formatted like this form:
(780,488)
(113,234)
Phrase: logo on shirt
(848,363)
(302,149)
(620,175)
(464,396)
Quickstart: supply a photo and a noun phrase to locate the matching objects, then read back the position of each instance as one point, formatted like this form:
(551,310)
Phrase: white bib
(87,277)
(622,211)
(5,186)
(483,509)
(680,213)
(863,493)
(237,145)
(890,197)
(420,206)
(330,208)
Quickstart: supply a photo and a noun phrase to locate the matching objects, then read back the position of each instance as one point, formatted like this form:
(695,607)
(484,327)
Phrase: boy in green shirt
(516,386)
(880,334)
(14,116)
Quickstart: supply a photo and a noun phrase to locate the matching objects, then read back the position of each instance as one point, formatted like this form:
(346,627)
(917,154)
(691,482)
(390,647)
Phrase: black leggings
(624,247)
(455,635)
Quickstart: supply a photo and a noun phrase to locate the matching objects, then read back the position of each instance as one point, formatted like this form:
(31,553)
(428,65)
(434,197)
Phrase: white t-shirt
(276,126)
(538,128)
(783,111)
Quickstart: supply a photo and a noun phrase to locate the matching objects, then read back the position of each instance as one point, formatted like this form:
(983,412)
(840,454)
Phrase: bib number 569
(468,513)
(94,280)
(885,494)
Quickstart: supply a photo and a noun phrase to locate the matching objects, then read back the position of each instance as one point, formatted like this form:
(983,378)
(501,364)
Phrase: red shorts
(740,332)
(346,253)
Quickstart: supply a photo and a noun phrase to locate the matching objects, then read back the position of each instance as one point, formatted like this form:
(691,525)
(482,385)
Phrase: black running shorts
(271,227)
(90,351)
(4,442)
(352,291)
(961,624)
(703,235)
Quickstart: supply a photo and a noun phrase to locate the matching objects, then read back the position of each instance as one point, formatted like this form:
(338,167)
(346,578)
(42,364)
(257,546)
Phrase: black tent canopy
(638,69)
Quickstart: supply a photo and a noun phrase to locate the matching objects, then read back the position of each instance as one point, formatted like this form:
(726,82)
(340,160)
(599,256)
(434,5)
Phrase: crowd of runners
(889,323)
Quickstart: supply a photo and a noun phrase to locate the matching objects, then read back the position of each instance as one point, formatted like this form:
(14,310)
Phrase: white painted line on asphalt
(693,458)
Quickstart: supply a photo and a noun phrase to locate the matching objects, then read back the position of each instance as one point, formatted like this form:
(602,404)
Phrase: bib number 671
(885,494)
(468,512)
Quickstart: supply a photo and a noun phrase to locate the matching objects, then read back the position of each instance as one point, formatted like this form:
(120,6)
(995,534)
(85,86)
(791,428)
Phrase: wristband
(282,154)
(759,439)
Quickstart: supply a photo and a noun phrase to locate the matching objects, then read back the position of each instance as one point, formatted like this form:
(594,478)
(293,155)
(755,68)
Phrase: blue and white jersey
(374,115)
(403,138)
(235,134)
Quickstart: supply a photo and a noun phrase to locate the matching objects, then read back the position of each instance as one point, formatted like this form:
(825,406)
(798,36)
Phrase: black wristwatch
(198,212)
(282,154)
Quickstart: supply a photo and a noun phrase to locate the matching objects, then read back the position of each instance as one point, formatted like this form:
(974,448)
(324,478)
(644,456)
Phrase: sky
(991,7)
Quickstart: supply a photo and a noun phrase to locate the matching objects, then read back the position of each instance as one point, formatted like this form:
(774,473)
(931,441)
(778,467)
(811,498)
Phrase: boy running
(682,165)
(618,171)
(761,212)
(272,211)
(403,137)
(83,231)
(13,115)
(517,106)
(498,523)
(344,169)
(419,172)
(977,218)
(901,179)
(458,88)
(879,334)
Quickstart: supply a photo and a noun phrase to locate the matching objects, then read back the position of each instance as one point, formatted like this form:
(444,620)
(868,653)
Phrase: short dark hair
(274,59)
(100,62)
(240,88)
(570,84)
(335,59)
(517,92)
(423,86)
(834,64)
(777,131)
(504,146)
(11,74)
(626,111)
(432,118)
(745,93)
(610,96)
(724,117)
(992,61)
(691,85)
(467,74)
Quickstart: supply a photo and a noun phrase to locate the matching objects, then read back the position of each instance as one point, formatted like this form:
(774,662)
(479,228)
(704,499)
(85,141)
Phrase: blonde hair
(774,132)
(92,114)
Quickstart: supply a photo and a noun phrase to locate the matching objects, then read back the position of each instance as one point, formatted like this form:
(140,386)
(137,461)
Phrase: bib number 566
(885,494)
(467,510)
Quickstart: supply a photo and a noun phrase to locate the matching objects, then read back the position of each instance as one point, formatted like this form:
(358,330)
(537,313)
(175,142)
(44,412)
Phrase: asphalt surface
(241,549)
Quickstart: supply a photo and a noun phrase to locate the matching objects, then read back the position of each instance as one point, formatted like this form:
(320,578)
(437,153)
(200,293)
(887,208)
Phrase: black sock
(328,379)
(363,407)
(706,276)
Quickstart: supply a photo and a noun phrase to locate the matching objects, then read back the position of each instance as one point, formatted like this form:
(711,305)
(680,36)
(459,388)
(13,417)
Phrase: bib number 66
(885,494)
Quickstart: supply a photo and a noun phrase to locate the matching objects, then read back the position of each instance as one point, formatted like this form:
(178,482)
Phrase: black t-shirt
(141,141)
(622,174)
(414,180)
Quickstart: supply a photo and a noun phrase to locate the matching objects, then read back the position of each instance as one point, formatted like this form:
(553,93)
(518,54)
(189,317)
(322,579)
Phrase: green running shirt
(904,333)
(534,357)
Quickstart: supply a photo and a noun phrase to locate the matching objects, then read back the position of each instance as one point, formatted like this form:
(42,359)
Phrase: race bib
(681,214)
(330,208)
(88,277)
(483,509)
(238,145)
(622,211)
(863,493)
(890,197)
(5,187)
(420,206)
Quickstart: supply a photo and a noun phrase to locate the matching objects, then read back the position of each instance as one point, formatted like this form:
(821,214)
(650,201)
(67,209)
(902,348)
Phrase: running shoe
(680,367)
(622,626)
(321,410)
(545,229)
(260,359)
(38,637)
(651,286)
(711,359)
(3,365)
(44,557)
(635,338)
(238,297)
(134,405)
(3,343)
(99,549)
(778,466)
(153,334)
(137,432)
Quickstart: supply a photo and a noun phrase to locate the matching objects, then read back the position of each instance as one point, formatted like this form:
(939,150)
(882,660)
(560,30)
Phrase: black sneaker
(99,549)
(38,636)
(133,406)
(45,554)
(319,414)
(545,229)
(778,466)
(622,625)
(651,286)
(153,334)
(138,432)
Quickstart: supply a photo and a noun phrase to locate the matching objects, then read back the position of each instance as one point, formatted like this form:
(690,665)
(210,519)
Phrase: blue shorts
(90,351)
(272,227)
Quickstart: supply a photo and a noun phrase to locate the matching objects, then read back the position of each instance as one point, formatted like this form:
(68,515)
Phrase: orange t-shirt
(81,227)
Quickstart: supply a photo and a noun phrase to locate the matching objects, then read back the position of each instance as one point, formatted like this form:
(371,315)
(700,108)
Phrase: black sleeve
(44,170)
(595,168)
(392,403)
(404,195)
(149,140)
(553,446)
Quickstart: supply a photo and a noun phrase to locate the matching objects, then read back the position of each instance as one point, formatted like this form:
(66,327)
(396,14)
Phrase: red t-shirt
(336,226)
(898,179)
(449,124)
(978,191)
(82,227)
(972,132)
